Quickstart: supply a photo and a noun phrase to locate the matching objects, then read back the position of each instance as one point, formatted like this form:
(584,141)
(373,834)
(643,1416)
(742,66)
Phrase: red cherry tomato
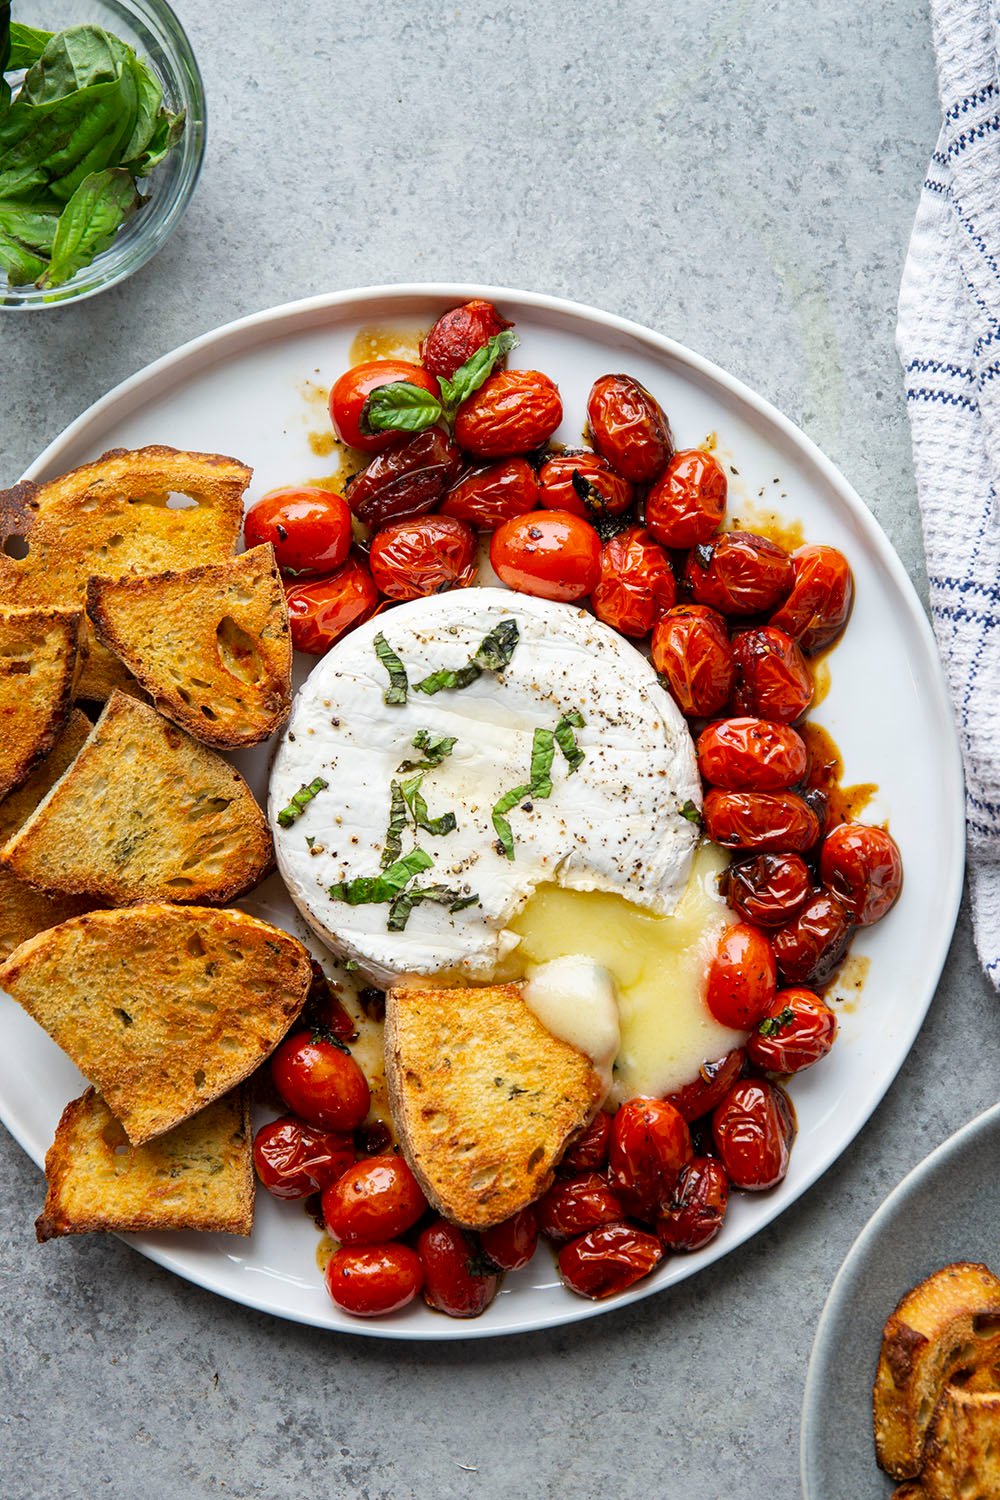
(773,680)
(714,1080)
(768,890)
(691,650)
(324,1010)
(760,820)
(650,1143)
(629,428)
(584,484)
(573,1205)
(753,1129)
(424,555)
(687,503)
(513,411)
(375,1200)
(321,610)
(369,1280)
(752,755)
(293,1159)
(457,335)
(309,529)
(493,493)
(740,574)
(608,1260)
(407,481)
(742,977)
(811,946)
(797,1031)
(819,605)
(511,1245)
(548,553)
(637,585)
(351,391)
(458,1280)
(588,1152)
(320,1082)
(862,866)
(695,1213)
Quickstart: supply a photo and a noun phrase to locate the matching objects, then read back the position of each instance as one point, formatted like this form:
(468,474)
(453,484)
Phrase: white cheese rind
(613,825)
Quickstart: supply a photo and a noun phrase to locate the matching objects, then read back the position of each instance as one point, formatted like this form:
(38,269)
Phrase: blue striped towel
(949,342)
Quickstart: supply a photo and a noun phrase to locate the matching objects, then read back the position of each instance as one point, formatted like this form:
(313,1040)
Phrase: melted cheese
(575,999)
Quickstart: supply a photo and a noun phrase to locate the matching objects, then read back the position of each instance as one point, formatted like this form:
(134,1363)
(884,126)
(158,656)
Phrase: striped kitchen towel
(949,342)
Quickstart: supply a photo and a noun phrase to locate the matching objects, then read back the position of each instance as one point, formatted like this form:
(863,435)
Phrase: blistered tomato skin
(629,428)
(773,680)
(780,821)
(753,1129)
(688,502)
(320,1083)
(491,494)
(740,574)
(457,335)
(406,482)
(819,606)
(637,584)
(752,755)
(548,553)
(511,1245)
(650,1143)
(768,890)
(372,1280)
(809,949)
(691,650)
(351,391)
(696,1212)
(608,1260)
(421,556)
(863,867)
(714,1081)
(457,1279)
(309,529)
(374,1200)
(294,1159)
(514,411)
(742,978)
(797,1031)
(321,610)
(574,1205)
(584,484)
(589,1151)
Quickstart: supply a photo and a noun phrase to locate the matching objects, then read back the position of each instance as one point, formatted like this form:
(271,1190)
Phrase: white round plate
(253,389)
(946,1210)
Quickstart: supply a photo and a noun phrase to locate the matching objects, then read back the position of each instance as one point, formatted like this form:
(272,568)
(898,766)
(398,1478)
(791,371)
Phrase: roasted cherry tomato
(742,977)
(862,866)
(629,428)
(424,555)
(294,1159)
(751,755)
(769,889)
(457,335)
(753,1129)
(309,529)
(691,649)
(797,1031)
(514,411)
(695,1213)
(375,1200)
(760,820)
(687,503)
(773,680)
(548,553)
(584,484)
(714,1080)
(637,585)
(458,1279)
(588,1151)
(351,391)
(608,1260)
(573,1205)
(740,574)
(812,945)
(407,481)
(324,1010)
(650,1143)
(369,1280)
(493,493)
(321,610)
(320,1082)
(511,1245)
(819,605)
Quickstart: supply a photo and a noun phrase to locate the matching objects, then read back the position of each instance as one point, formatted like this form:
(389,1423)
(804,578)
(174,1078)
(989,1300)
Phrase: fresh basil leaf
(494,654)
(366,890)
(149,99)
(73,60)
(398,681)
(417,806)
(399,911)
(503,806)
(566,739)
(397,824)
(543,750)
(27,44)
(399,406)
(5,52)
(435,749)
(33,223)
(89,222)
(477,369)
(771,1025)
(300,801)
(168,131)
(21,264)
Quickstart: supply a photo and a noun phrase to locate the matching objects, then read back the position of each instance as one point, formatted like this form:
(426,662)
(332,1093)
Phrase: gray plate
(947,1209)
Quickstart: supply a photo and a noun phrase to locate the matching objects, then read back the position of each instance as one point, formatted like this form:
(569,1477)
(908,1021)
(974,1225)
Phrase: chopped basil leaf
(543,749)
(397,822)
(771,1025)
(566,739)
(414,801)
(398,682)
(402,906)
(297,806)
(399,406)
(350,966)
(690,812)
(367,890)
(494,654)
(435,750)
(500,823)
(477,369)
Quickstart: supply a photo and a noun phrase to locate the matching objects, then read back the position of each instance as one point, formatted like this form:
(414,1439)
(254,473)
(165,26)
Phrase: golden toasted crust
(25,912)
(484,1099)
(196,1176)
(162,1008)
(144,813)
(211,645)
(38,658)
(962,1453)
(18,806)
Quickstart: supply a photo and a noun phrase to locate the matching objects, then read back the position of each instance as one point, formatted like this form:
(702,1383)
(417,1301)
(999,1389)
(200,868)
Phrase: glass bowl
(152,29)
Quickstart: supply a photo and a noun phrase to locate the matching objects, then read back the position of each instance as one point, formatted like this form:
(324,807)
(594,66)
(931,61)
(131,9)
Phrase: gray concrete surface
(741,175)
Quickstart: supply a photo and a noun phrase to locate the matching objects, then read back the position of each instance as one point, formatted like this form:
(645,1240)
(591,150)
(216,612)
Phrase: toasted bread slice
(25,912)
(196,1176)
(962,1453)
(211,646)
(162,1008)
(947,1324)
(39,649)
(484,1099)
(114,517)
(144,813)
(16,808)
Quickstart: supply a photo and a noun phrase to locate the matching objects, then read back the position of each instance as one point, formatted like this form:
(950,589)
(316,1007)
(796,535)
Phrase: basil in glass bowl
(102,134)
